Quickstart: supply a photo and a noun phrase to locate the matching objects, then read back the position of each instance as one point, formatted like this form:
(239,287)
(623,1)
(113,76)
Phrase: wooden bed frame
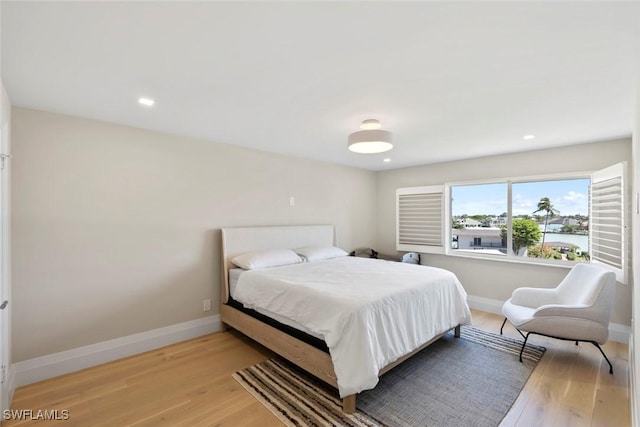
(238,240)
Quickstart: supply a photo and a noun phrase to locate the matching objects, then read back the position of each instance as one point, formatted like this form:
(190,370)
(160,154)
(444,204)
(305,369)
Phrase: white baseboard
(485,304)
(617,332)
(53,365)
(8,388)
(633,385)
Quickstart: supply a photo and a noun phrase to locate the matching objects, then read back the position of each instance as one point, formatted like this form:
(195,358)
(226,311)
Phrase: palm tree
(544,205)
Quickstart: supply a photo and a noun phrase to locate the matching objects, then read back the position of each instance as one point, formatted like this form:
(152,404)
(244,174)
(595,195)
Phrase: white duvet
(369,312)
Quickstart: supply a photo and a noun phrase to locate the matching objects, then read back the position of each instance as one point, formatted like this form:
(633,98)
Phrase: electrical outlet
(206,305)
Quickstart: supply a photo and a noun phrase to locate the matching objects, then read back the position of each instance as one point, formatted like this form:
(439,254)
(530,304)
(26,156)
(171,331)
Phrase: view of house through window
(550,219)
(477,214)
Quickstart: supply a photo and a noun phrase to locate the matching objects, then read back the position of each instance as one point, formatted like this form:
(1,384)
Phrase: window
(561,221)
(549,219)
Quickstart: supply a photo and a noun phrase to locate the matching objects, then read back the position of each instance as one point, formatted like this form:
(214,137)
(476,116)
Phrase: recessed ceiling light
(528,137)
(386,160)
(148,102)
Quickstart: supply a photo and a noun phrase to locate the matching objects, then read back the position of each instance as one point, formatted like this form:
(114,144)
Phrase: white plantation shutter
(419,219)
(607,228)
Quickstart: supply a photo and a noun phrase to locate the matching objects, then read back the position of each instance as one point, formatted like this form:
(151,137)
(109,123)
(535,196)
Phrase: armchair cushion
(534,297)
(579,310)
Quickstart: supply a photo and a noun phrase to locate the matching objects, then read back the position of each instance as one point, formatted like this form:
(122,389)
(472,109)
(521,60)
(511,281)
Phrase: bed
(370,314)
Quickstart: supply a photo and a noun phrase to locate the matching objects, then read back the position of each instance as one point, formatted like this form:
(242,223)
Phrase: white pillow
(264,259)
(316,253)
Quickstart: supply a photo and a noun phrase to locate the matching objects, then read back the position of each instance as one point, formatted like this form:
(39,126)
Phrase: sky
(570,197)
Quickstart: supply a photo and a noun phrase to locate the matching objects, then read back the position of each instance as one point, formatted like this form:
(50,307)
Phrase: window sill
(513,260)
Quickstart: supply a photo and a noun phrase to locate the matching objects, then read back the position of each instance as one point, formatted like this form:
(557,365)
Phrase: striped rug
(438,386)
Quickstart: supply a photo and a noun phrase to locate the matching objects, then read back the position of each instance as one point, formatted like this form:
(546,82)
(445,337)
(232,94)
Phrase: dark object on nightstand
(364,253)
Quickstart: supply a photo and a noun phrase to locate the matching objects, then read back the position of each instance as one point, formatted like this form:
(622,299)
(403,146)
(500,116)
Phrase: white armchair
(578,309)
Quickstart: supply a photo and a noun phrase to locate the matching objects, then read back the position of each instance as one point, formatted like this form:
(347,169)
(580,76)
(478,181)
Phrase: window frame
(509,256)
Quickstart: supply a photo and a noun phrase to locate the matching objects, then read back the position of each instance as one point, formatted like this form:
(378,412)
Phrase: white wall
(479,276)
(5,148)
(635,242)
(116,229)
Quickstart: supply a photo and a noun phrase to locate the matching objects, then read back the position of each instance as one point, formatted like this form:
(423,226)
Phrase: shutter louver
(419,219)
(606,224)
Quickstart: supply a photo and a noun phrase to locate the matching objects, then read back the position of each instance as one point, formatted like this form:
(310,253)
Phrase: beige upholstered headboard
(238,240)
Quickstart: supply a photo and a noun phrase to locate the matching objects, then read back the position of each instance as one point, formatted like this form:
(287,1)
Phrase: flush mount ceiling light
(371,139)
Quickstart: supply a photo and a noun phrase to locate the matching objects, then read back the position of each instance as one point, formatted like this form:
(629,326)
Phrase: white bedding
(369,312)
(234,275)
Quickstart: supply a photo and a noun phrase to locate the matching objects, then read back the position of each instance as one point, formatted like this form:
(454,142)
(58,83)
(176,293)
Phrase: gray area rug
(471,381)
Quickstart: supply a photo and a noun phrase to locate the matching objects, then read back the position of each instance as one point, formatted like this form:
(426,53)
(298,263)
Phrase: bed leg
(456,332)
(349,404)
(224,327)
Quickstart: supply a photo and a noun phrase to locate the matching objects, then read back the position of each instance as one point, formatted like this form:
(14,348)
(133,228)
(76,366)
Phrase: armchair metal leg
(521,334)
(565,339)
(504,323)
(524,344)
(605,356)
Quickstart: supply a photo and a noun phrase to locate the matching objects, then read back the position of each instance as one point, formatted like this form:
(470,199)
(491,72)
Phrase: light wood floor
(190,384)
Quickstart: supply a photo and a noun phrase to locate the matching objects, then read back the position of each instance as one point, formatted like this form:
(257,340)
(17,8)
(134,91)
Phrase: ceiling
(450,80)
